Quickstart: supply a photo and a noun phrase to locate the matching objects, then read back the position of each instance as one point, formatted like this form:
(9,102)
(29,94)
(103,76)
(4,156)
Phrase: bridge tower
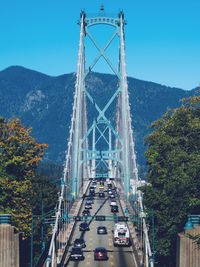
(119,155)
(100,142)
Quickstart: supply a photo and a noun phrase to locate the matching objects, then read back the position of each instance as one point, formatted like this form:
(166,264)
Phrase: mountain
(44,103)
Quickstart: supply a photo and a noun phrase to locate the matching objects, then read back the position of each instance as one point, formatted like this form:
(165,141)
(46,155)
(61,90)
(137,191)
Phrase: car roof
(100,248)
(79,239)
(76,248)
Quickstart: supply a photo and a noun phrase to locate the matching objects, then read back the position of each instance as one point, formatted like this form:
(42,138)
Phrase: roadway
(117,256)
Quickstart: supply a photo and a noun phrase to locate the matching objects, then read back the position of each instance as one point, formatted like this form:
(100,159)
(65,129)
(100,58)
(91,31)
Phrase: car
(84,226)
(101,187)
(94,185)
(100,253)
(101,182)
(86,213)
(79,243)
(113,203)
(112,196)
(110,191)
(88,206)
(114,209)
(101,194)
(76,254)
(109,185)
(101,230)
(89,200)
(92,190)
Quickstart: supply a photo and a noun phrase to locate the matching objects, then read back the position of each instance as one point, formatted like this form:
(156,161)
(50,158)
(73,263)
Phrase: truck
(121,235)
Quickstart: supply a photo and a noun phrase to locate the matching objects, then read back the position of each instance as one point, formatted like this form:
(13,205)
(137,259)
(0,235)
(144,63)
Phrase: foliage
(173,170)
(19,157)
(44,200)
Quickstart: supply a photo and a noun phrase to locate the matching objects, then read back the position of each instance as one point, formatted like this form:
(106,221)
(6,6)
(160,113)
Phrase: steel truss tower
(119,159)
(85,157)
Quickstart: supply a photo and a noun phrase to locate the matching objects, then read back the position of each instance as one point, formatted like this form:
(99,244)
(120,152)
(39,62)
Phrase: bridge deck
(118,256)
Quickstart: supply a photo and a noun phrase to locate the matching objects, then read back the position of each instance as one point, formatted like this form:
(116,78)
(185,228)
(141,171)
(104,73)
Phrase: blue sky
(162,37)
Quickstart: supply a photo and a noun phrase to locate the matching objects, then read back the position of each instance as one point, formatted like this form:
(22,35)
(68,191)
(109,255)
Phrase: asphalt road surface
(117,256)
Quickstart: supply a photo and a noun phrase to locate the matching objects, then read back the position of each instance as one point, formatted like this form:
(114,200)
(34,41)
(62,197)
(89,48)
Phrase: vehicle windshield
(79,241)
(101,250)
(78,250)
(121,234)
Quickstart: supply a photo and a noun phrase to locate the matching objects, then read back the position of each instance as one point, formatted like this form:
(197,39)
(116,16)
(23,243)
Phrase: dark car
(86,213)
(76,254)
(89,200)
(101,230)
(110,191)
(100,254)
(101,182)
(112,196)
(92,190)
(109,185)
(84,227)
(114,209)
(88,206)
(79,243)
(101,194)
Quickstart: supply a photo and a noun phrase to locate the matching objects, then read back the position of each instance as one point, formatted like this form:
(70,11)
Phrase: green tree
(173,170)
(19,157)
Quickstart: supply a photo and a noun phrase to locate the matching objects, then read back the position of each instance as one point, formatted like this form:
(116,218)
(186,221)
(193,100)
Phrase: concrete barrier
(188,254)
(9,244)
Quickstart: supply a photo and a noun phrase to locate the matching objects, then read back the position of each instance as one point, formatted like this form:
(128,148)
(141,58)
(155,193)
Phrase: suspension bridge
(100,154)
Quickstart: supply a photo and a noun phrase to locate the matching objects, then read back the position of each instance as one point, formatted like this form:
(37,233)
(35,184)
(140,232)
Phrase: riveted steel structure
(86,157)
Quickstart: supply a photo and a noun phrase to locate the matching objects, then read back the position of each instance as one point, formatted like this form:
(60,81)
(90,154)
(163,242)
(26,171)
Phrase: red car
(100,253)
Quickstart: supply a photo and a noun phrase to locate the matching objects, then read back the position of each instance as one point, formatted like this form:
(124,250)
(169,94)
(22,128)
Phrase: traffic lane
(94,240)
(121,256)
(118,256)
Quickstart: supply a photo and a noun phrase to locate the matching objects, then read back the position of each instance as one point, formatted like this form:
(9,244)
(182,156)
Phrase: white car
(113,203)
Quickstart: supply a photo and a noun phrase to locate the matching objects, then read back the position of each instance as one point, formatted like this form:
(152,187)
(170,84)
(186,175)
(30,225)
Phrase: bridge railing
(148,252)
